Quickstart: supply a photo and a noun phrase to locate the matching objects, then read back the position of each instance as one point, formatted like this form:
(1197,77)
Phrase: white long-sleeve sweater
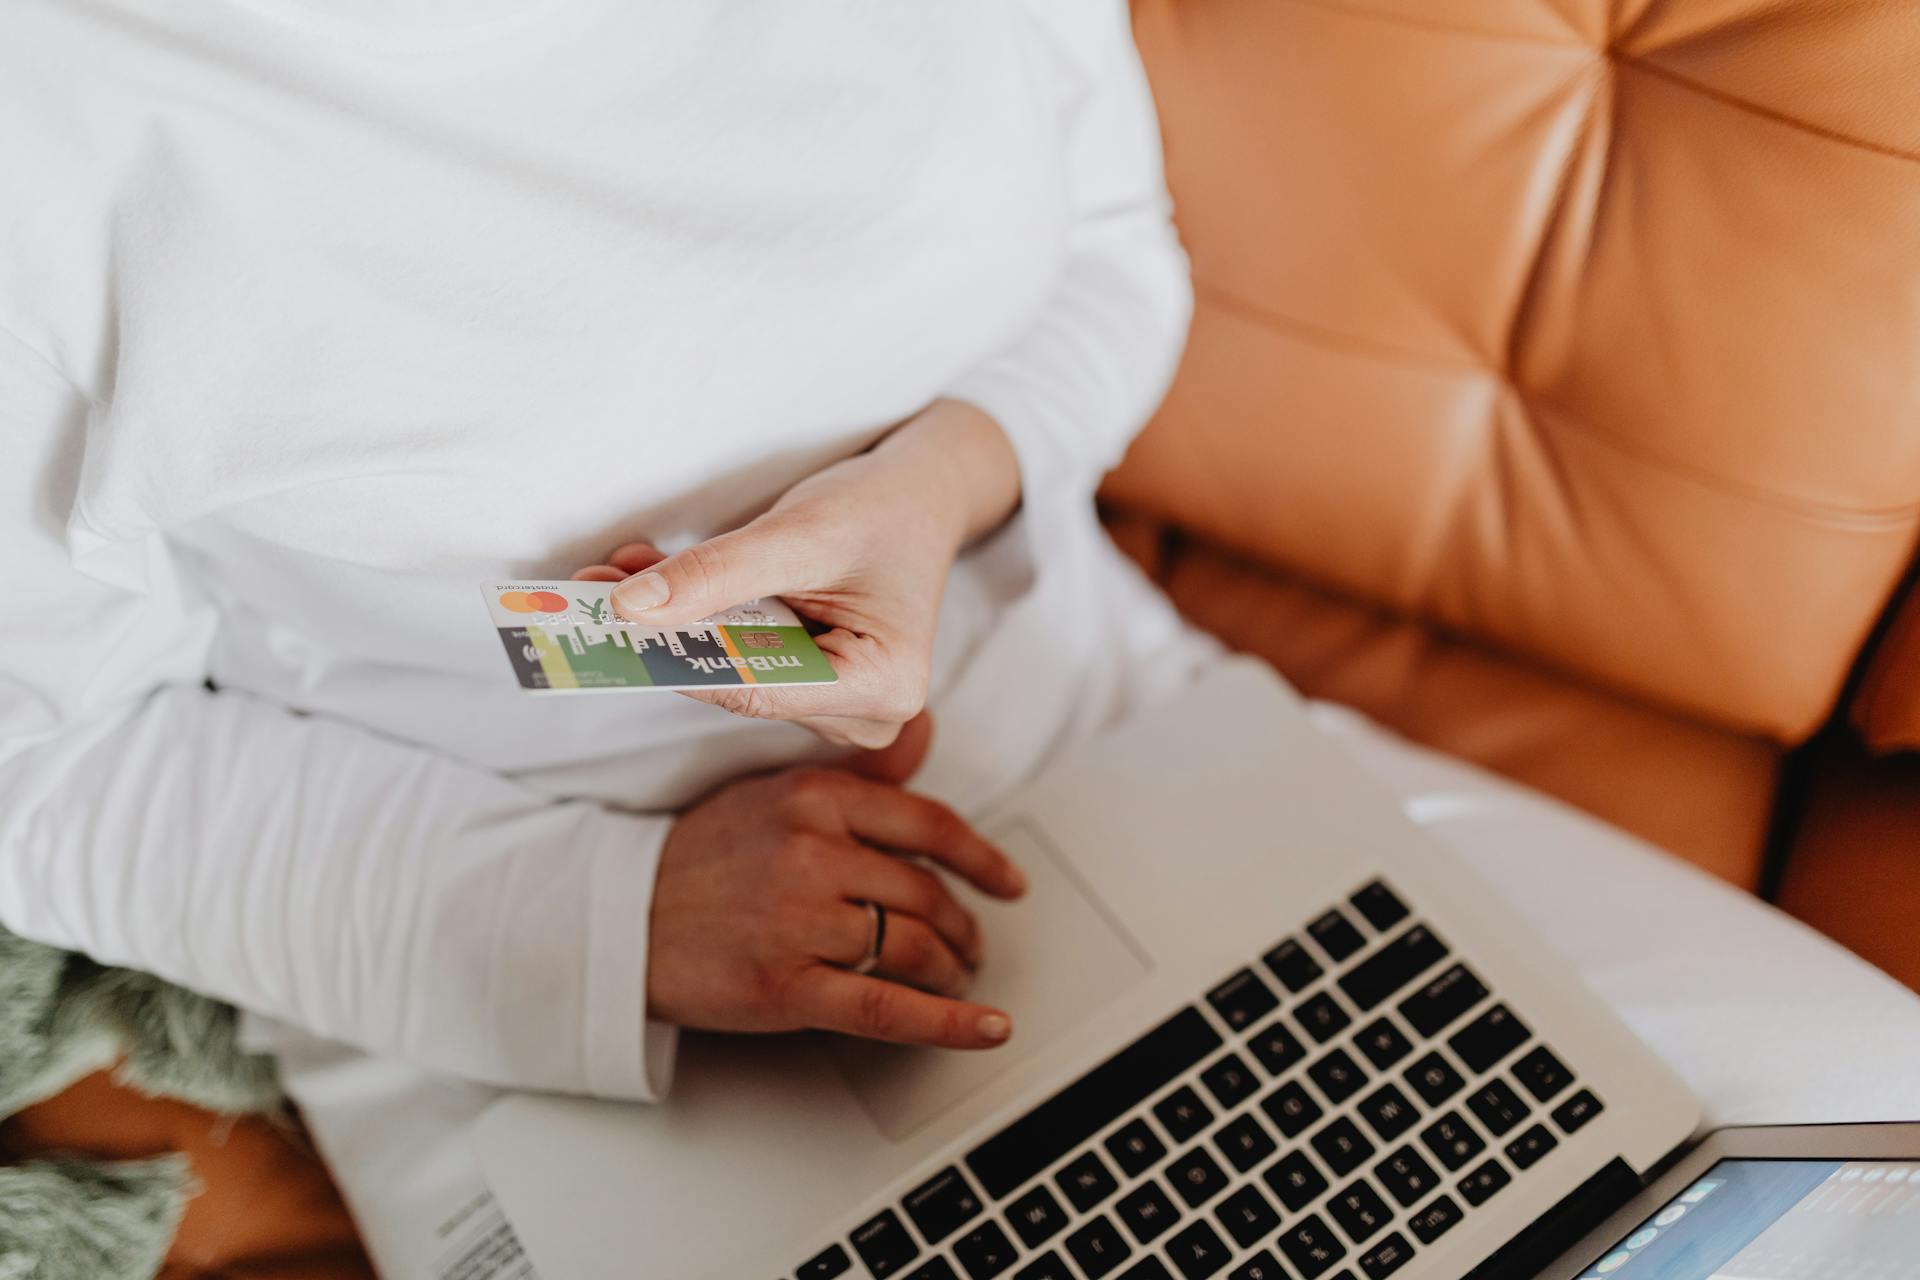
(314,313)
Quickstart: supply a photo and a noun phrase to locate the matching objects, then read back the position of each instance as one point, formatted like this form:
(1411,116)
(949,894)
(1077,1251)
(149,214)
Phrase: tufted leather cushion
(1887,708)
(1699,791)
(1585,328)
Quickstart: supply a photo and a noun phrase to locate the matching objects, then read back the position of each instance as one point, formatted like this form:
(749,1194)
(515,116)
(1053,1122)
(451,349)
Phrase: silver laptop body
(1265,1027)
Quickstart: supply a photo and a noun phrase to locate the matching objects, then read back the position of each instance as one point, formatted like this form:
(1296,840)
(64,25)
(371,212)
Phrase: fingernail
(1016,880)
(642,591)
(995,1026)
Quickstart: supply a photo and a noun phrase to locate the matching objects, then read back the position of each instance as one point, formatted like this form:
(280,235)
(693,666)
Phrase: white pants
(1766,1020)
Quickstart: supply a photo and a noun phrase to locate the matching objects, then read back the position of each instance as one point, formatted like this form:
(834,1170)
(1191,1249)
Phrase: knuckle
(704,567)
(926,898)
(788,530)
(868,734)
(944,825)
(807,855)
(965,928)
(899,705)
(916,949)
(809,787)
(875,1007)
(871,735)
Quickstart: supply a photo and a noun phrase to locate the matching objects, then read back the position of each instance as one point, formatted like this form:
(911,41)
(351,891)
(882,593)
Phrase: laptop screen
(1779,1220)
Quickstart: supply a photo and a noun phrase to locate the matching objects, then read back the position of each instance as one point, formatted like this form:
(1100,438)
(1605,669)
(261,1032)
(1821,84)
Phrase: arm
(384,895)
(356,886)
(866,545)
(1074,389)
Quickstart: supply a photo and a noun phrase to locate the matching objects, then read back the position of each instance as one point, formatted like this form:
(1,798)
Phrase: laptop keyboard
(1327,1111)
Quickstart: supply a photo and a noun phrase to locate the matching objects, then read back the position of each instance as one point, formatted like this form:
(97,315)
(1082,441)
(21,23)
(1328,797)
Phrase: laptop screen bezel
(1884,1141)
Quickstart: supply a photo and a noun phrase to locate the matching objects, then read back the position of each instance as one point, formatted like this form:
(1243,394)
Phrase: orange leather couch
(1553,397)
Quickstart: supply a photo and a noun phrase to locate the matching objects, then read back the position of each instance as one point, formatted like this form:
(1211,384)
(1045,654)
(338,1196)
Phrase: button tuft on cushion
(1694,276)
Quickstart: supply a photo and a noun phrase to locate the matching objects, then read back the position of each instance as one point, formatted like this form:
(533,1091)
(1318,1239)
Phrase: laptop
(1265,1029)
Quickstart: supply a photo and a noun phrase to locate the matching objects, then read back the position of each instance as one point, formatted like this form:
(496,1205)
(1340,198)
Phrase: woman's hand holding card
(863,547)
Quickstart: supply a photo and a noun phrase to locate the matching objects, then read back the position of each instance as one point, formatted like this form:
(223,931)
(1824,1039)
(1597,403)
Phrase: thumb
(901,758)
(758,560)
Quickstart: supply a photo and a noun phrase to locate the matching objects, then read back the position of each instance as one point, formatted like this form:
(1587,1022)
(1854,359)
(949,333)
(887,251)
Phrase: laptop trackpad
(1052,958)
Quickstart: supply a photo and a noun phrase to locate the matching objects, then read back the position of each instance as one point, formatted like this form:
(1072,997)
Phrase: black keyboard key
(941,1205)
(1293,965)
(1541,1074)
(1525,1151)
(1498,1106)
(1182,1113)
(1261,1266)
(1488,1038)
(1291,1108)
(1148,1269)
(1484,1183)
(1452,1140)
(1012,1157)
(884,1245)
(1407,1176)
(825,1265)
(1242,1000)
(1360,1211)
(1342,1146)
(933,1269)
(1231,1081)
(1295,1180)
(1435,1220)
(1244,1142)
(1311,1247)
(1048,1266)
(1277,1048)
(1198,1251)
(1576,1111)
(1247,1216)
(1147,1211)
(1393,966)
(1135,1148)
(1386,1257)
(1086,1182)
(1387,1112)
(1098,1248)
(1379,906)
(985,1251)
(1336,934)
(1382,1042)
(1445,998)
(1036,1217)
(1196,1177)
(1338,1076)
(1434,1079)
(1322,1017)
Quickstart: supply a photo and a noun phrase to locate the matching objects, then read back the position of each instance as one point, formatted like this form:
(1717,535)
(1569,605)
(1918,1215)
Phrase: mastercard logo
(533,601)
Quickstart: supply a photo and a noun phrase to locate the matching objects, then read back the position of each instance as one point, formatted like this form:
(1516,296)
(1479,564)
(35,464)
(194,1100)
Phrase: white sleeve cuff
(628,1055)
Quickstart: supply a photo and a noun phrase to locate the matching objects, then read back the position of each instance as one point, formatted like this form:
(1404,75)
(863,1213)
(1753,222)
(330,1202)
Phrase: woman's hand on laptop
(758,912)
(864,547)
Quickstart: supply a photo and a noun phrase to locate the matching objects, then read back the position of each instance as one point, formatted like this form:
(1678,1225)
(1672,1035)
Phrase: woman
(314,315)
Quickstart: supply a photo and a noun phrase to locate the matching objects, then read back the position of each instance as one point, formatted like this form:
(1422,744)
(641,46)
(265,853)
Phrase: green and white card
(564,637)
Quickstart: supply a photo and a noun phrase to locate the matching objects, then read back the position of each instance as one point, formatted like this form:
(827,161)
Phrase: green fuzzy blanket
(62,1017)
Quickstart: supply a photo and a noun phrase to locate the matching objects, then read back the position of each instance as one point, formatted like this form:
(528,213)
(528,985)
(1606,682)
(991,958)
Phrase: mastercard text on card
(564,637)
